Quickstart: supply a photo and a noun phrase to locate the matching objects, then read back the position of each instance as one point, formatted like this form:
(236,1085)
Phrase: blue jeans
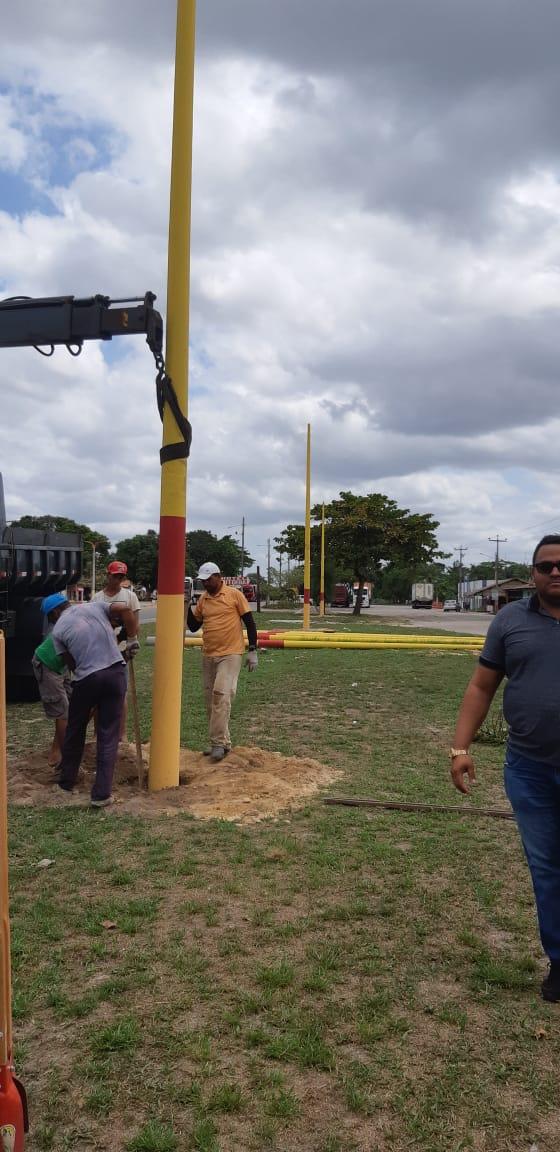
(533,791)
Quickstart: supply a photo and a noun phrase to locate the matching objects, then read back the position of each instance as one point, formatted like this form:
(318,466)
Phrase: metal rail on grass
(401,806)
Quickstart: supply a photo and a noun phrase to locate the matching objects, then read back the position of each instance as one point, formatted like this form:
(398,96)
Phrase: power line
(526,528)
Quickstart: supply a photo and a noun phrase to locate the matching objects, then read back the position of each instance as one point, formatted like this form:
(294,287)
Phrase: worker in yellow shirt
(222,610)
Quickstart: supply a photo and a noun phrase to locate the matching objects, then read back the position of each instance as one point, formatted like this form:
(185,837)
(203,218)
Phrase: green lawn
(339,979)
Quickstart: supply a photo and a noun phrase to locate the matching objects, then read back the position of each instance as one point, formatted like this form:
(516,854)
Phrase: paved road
(467,623)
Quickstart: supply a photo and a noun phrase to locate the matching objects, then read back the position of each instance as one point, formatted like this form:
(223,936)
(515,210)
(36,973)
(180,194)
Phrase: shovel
(136,723)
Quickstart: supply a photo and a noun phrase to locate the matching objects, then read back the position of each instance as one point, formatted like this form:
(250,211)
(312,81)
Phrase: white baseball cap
(207,570)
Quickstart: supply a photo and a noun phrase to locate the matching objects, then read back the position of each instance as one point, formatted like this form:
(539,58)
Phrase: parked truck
(366,594)
(33,563)
(422,595)
(341,596)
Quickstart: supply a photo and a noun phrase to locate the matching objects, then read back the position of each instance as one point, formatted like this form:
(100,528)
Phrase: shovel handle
(136,723)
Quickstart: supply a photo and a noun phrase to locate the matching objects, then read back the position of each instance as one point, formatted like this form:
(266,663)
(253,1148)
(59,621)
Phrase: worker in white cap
(222,610)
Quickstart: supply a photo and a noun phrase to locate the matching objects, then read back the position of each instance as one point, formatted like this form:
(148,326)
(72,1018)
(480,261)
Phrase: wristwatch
(453,752)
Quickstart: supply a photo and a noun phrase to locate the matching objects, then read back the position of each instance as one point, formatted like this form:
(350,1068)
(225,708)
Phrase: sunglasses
(546,567)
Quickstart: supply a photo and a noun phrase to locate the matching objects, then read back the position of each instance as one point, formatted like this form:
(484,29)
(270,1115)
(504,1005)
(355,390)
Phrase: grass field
(341,979)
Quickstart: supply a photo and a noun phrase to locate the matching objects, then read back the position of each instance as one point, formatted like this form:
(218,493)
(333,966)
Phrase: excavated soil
(249,785)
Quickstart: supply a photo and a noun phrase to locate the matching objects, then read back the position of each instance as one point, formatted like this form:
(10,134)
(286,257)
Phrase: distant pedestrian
(523,644)
(83,635)
(53,679)
(222,610)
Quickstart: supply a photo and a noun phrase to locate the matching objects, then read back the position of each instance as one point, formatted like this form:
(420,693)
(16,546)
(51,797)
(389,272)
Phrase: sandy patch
(249,785)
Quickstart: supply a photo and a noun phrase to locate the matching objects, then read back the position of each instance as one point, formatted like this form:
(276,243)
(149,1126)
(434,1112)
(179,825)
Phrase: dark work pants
(104,690)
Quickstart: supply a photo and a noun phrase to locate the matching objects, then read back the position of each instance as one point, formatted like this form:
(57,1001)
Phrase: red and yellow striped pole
(307,551)
(168,662)
(322,581)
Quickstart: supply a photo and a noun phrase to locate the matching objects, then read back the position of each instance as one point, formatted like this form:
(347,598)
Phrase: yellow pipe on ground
(468,645)
(371,644)
(372,636)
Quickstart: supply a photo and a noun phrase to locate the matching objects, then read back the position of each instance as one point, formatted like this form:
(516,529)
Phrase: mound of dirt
(249,785)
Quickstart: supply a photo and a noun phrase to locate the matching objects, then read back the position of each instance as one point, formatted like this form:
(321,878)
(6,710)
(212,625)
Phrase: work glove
(131,648)
(252,661)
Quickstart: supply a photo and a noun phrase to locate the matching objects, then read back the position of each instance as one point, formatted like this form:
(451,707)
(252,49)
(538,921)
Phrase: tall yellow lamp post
(322,581)
(307,552)
(168,660)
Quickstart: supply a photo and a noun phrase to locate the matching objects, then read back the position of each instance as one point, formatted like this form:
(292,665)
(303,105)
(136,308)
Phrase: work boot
(550,987)
(63,795)
(217,753)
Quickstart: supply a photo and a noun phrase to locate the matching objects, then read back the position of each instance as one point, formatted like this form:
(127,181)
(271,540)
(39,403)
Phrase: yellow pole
(322,583)
(307,552)
(168,662)
(5,977)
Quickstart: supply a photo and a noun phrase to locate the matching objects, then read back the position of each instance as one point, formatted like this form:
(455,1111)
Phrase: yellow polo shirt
(221,621)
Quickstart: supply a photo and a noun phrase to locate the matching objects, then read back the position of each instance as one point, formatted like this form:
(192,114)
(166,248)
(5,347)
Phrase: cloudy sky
(375,250)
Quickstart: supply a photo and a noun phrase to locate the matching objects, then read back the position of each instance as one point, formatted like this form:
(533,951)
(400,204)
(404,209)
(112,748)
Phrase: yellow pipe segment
(295,641)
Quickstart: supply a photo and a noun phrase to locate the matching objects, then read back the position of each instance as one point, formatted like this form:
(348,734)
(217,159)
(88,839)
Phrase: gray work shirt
(523,641)
(84,630)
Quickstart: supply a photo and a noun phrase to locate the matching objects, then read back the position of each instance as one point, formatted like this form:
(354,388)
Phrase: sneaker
(550,987)
(102,803)
(217,753)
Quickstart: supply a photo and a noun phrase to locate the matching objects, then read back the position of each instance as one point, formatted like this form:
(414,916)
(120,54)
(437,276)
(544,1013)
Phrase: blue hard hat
(53,601)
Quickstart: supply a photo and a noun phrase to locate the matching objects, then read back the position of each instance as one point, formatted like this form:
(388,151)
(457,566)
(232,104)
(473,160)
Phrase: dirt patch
(249,785)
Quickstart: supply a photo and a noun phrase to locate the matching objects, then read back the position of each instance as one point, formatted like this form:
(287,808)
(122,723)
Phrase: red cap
(117,568)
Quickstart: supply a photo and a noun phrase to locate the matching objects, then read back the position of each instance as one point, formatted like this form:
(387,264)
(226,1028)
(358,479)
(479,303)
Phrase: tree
(507,570)
(225,552)
(140,554)
(366,531)
(90,536)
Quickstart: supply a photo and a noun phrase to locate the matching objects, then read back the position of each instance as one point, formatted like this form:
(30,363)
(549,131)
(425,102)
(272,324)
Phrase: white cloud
(374,250)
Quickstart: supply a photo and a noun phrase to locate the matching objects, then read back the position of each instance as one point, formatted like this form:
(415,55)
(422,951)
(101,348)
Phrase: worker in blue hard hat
(53,677)
(83,635)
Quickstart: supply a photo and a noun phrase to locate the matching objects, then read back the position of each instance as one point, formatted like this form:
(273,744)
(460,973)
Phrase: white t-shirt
(123,596)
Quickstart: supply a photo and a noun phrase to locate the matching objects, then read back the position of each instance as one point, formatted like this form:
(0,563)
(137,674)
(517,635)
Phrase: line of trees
(369,539)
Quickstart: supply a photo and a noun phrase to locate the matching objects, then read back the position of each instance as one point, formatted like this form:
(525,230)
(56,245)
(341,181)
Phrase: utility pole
(242,548)
(461,549)
(268,573)
(280,570)
(497,540)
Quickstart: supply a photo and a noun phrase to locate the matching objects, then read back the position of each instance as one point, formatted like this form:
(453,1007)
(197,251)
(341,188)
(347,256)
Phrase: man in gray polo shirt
(523,644)
(84,636)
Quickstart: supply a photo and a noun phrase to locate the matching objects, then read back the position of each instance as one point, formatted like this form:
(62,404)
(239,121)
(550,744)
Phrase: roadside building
(490,597)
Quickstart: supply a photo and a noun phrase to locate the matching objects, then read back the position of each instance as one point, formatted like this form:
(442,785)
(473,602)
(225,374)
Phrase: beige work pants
(219,676)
